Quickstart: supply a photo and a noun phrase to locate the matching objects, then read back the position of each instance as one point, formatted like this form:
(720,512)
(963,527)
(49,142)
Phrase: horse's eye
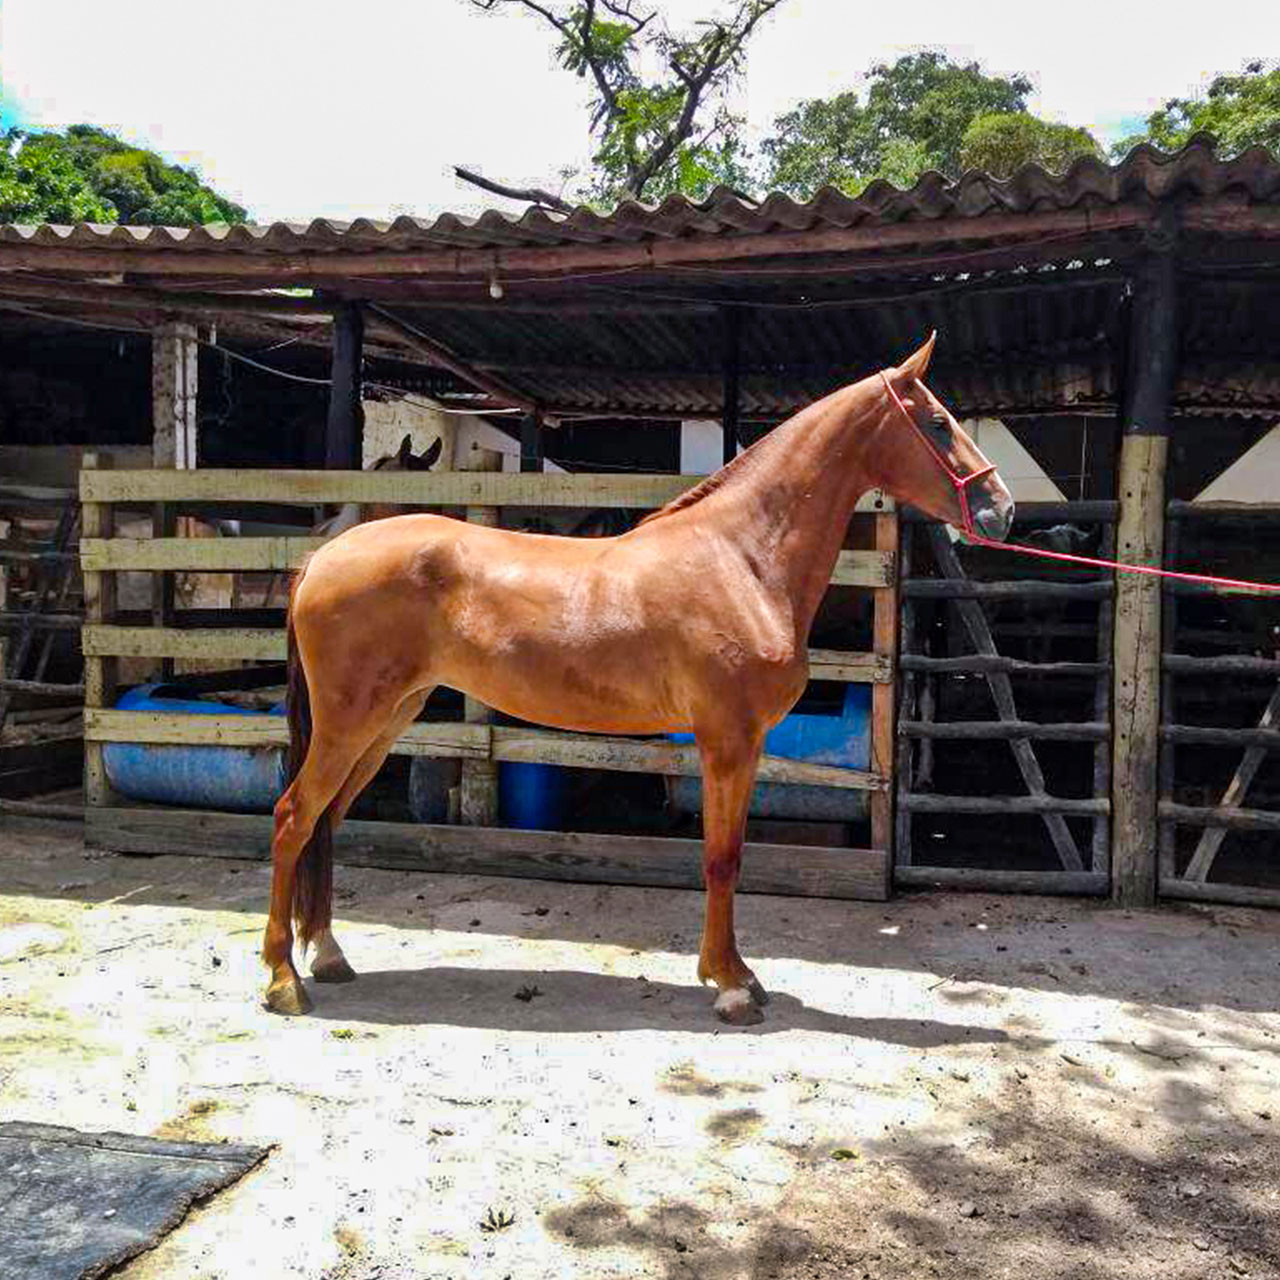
(940,428)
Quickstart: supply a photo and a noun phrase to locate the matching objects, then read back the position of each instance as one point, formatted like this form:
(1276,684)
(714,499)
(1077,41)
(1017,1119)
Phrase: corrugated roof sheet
(1144,175)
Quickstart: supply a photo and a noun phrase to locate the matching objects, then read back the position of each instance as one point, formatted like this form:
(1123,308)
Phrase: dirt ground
(526,1081)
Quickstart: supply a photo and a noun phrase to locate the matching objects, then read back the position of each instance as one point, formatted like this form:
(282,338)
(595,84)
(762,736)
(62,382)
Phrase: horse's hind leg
(329,762)
(728,776)
(328,963)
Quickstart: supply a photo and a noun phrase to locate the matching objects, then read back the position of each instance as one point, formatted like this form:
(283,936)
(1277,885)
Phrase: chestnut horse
(697,621)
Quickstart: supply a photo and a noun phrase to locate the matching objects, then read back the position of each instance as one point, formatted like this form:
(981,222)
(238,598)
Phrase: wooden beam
(531,442)
(999,730)
(410,488)
(883,695)
(478,787)
(985,880)
(1140,540)
(181,304)
(474,742)
(1225,816)
(207,555)
(174,390)
(731,408)
(479,264)
(267,644)
(344,427)
(591,858)
(214,555)
(100,670)
(1040,803)
(106,641)
(438,354)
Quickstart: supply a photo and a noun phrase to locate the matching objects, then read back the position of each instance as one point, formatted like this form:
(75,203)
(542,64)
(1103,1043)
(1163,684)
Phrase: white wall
(1023,475)
(701,447)
(1253,477)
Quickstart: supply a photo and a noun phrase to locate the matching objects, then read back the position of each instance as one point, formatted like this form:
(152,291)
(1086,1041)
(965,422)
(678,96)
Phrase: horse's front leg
(728,775)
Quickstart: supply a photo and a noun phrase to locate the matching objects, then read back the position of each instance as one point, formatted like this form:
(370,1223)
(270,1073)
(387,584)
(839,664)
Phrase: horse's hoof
(333,971)
(288,997)
(737,1008)
(758,993)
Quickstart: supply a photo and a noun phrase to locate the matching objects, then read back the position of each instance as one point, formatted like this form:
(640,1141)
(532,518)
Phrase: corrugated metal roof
(1145,175)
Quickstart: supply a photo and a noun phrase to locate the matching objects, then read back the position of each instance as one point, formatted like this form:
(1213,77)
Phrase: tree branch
(535,195)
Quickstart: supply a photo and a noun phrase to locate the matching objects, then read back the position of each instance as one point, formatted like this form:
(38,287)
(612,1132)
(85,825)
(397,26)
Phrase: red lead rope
(1203,578)
(961,484)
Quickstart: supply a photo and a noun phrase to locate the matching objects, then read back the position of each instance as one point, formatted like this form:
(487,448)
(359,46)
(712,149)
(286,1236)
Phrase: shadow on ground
(1177,957)
(571,1001)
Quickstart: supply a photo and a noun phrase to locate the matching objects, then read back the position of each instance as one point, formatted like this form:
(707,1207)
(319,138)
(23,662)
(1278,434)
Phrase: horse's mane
(716,480)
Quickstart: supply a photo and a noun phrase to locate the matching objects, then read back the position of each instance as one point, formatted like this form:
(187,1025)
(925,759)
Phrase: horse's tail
(313,874)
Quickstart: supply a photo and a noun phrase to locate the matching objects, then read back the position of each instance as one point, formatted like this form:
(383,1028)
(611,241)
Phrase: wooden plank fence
(481,745)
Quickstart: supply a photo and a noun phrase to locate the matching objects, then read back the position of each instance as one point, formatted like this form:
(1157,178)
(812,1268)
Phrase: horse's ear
(915,366)
(432,455)
(406,451)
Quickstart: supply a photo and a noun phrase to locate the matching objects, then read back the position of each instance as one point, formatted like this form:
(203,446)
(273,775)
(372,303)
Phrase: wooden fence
(1203,876)
(1072,868)
(112,823)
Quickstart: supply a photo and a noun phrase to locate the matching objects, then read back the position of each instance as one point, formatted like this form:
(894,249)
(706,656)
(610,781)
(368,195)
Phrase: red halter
(958,482)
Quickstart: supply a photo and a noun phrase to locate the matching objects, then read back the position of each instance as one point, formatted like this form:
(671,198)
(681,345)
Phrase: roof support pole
(1136,641)
(344,429)
(732,389)
(175,443)
(174,387)
(531,442)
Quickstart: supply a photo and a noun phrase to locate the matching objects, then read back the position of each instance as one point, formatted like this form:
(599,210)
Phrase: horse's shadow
(568,1000)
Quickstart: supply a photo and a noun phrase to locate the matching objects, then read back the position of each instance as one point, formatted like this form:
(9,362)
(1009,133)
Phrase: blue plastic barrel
(235,779)
(843,741)
(532,796)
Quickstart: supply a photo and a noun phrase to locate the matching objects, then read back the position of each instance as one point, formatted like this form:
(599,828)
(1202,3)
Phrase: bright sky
(305,108)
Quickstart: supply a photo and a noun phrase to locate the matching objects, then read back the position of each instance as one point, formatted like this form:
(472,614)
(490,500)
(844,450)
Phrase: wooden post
(478,803)
(531,442)
(174,441)
(732,381)
(97,520)
(885,638)
(1140,540)
(344,429)
(174,389)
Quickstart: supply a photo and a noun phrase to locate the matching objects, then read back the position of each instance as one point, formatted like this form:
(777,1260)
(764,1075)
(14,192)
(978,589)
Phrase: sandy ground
(945,1086)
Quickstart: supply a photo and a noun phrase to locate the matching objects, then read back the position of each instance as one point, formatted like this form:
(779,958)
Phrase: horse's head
(923,456)
(404,459)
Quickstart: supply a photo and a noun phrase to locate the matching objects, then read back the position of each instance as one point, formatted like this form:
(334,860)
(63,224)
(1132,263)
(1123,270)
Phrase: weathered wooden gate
(1220,709)
(1019,634)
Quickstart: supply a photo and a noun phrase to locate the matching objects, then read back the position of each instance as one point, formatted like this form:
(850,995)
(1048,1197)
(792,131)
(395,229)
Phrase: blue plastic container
(236,779)
(532,796)
(843,741)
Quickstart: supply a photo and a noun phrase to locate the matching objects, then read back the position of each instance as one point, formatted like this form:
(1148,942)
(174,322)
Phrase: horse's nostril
(993,521)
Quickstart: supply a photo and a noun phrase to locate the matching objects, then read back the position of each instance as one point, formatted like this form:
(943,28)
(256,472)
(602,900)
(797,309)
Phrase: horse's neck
(788,505)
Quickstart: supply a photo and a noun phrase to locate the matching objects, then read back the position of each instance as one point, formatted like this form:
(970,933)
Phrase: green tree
(1239,111)
(999,144)
(914,118)
(658,104)
(89,175)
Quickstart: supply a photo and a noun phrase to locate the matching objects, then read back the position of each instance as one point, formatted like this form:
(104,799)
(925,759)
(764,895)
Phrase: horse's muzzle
(993,517)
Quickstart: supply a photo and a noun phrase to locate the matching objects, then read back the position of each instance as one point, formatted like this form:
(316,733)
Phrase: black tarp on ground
(75,1204)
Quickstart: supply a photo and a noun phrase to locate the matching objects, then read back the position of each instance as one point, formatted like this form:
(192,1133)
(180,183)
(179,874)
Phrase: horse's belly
(616,692)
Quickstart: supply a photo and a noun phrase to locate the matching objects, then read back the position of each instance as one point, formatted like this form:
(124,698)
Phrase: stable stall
(1111,329)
